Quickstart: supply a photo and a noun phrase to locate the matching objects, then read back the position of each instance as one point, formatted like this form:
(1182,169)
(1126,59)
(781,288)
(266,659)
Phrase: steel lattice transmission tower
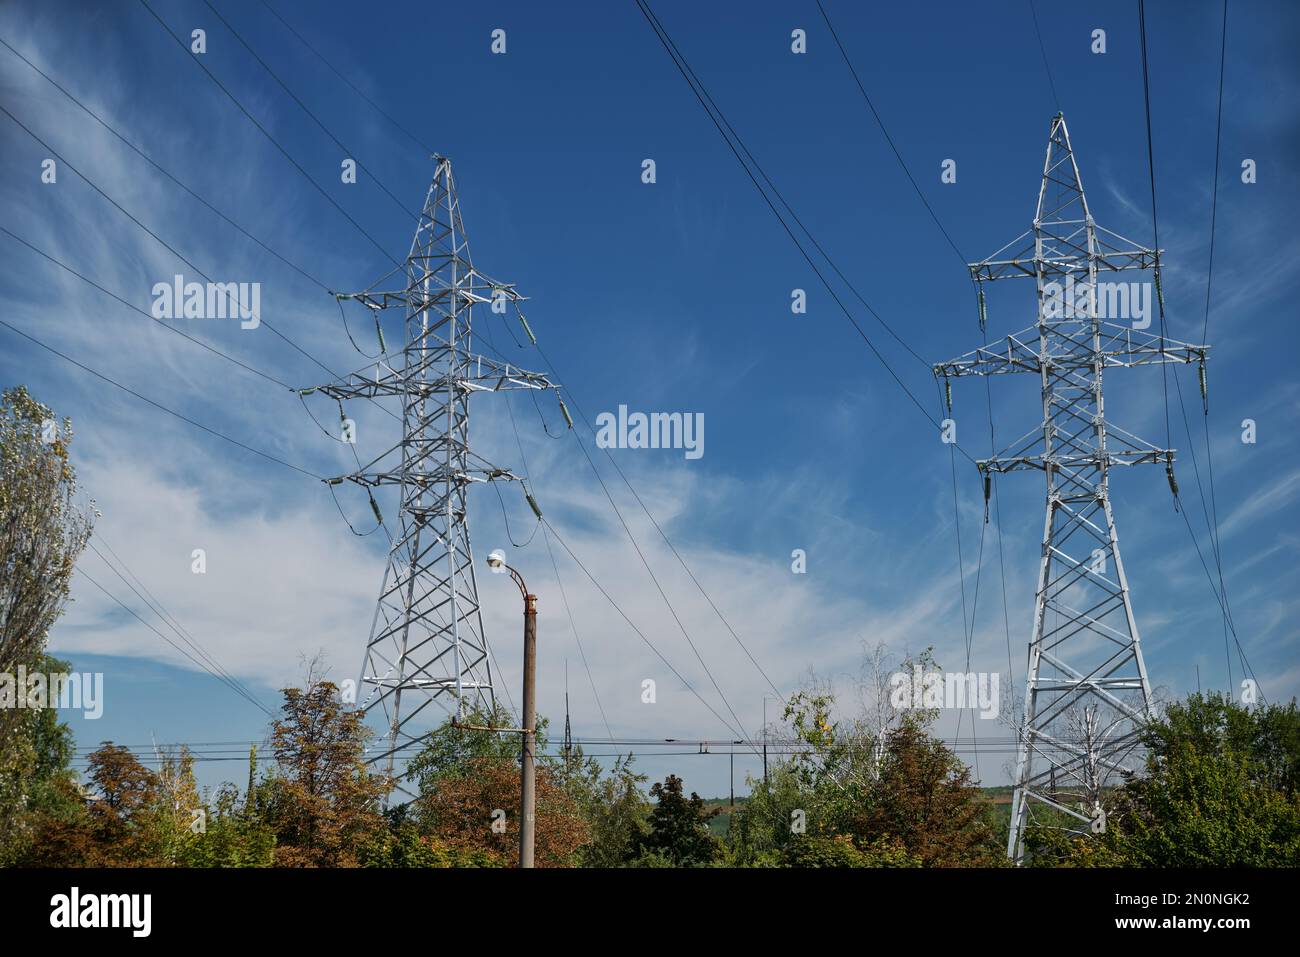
(427,642)
(1087,694)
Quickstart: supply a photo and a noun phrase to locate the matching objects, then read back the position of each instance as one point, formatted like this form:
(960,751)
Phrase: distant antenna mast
(568,731)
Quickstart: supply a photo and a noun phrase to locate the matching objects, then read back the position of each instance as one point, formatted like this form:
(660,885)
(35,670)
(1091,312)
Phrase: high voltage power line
(647,748)
(553,531)
(632,538)
(108,292)
(968,626)
(729,134)
(138,151)
(274,142)
(346,152)
(1042,48)
(209,664)
(136,394)
(233,746)
(200,664)
(1205,325)
(232,296)
(737,146)
(649,570)
(157,405)
(160,168)
(1220,593)
(889,139)
(298,166)
(547,526)
(174,251)
(428,150)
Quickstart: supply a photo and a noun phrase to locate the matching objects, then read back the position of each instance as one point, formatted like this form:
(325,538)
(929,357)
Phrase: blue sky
(673,296)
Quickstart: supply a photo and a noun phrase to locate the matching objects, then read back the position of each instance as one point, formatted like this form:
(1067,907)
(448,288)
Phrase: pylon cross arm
(1120,347)
(1108,458)
(1127,346)
(477,373)
(1061,261)
(1017,352)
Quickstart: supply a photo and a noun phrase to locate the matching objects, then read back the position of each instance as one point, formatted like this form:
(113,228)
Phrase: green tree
(1267,738)
(403,845)
(879,779)
(181,815)
(124,815)
(925,800)
(450,748)
(322,803)
(679,827)
(61,832)
(37,780)
(467,778)
(42,528)
(1218,790)
(613,805)
(42,532)
(232,836)
(839,850)
(764,825)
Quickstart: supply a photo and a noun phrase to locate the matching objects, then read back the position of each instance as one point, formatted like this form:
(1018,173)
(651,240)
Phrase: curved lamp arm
(517,579)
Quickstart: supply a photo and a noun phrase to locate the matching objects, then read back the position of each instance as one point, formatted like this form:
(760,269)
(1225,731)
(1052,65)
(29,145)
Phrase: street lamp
(528,732)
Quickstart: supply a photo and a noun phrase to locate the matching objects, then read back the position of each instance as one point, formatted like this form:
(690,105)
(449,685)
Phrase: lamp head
(496,559)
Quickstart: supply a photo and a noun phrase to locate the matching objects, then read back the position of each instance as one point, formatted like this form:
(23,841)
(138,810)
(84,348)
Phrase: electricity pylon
(427,642)
(1087,695)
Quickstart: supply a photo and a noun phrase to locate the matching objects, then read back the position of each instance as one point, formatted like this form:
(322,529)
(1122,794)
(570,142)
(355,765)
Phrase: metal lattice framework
(1087,694)
(427,642)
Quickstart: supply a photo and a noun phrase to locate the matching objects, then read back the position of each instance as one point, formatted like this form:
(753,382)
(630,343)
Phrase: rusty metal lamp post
(528,732)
